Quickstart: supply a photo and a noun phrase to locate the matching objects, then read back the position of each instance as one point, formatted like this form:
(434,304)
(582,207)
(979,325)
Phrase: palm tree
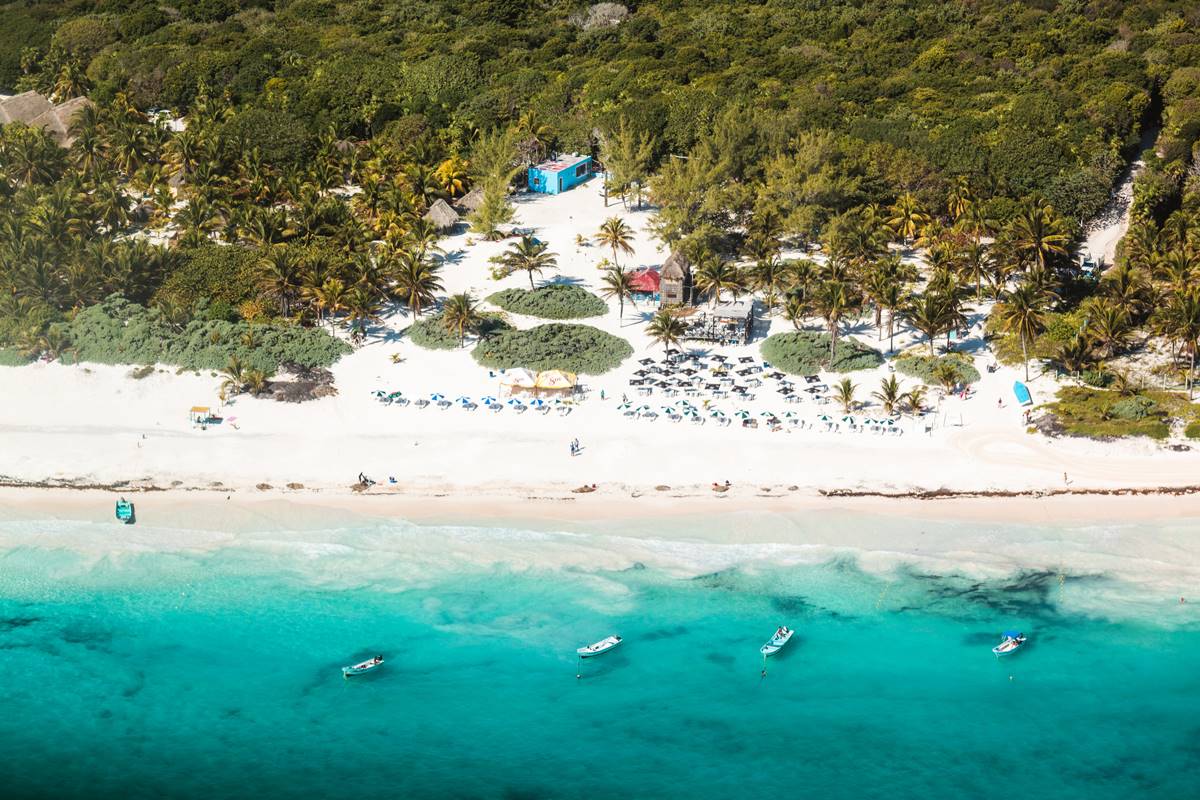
(715,275)
(417,281)
(619,284)
(279,277)
(843,393)
(461,315)
(665,328)
(833,300)
(362,308)
(929,313)
(1039,233)
(1022,312)
(257,381)
(616,235)
(234,377)
(1107,324)
(889,394)
(1179,319)
(907,218)
(915,398)
(1074,355)
(771,277)
(530,255)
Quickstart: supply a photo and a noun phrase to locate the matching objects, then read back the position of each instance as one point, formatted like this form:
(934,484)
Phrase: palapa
(442,215)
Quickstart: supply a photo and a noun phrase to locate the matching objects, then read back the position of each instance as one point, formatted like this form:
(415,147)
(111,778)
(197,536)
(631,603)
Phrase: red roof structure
(645,280)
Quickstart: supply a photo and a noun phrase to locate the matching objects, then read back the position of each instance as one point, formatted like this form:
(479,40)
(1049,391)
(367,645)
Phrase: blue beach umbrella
(437,398)
(515,402)
(823,417)
(489,400)
(537,402)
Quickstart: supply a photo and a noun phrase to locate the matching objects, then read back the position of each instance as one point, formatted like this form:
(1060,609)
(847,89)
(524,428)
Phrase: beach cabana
(517,380)
(199,415)
(442,215)
(560,174)
(556,381)
(645,283)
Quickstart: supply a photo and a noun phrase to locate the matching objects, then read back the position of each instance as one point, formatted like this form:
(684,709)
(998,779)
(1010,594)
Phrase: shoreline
(558,505)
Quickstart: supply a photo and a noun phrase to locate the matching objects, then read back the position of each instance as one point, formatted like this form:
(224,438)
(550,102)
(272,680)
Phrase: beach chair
(422,403)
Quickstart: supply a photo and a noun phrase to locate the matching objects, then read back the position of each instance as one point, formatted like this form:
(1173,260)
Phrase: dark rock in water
(980,639)
(724,659)
(12,623)
(790,604)
(664,633)
(637,565)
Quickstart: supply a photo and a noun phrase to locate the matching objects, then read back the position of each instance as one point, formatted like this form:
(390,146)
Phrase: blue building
(559,174)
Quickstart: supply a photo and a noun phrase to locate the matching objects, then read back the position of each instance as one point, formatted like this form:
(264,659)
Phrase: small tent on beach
(518,380)
(556,380)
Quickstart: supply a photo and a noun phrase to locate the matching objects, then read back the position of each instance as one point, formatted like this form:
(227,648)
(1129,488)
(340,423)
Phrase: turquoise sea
(213,671)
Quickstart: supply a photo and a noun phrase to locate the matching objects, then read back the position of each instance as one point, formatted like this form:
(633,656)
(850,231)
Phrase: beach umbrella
(767,414)
(743,414)
(537,402)
(437,398)
(644,408)
(624,406)
(716,412)
(515,402)
(462,398)
(489,400)
(848,419)
(789,414)
(823,417)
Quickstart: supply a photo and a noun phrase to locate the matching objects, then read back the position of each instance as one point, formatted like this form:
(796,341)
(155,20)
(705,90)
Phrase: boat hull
(591,651)
(776,644)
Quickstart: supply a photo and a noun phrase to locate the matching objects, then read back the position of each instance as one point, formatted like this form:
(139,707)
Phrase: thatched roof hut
(675,275)
(471,201)
(36,111)
(24,107)
(442,215)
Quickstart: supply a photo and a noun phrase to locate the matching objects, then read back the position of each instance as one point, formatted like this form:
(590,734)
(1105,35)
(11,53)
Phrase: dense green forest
(984,133)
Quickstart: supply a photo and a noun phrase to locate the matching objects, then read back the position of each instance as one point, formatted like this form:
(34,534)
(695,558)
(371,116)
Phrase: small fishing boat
(1013,641)
(125,511)
(363,667)
(782,635)
(599,648)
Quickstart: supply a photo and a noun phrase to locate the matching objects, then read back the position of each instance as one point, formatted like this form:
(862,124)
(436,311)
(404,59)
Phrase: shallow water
(214,672)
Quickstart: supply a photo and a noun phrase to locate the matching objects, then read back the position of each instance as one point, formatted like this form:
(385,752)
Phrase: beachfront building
(645,283)
(725,323)
(560,174)
(675,276)
(36,111)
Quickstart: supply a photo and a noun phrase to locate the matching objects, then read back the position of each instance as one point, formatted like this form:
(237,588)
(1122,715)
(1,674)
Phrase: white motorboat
(363,667)
(1013,641)
(782,635)
(599,648)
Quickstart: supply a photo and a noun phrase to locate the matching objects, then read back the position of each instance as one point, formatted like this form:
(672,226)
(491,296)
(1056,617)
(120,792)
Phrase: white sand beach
(95,424)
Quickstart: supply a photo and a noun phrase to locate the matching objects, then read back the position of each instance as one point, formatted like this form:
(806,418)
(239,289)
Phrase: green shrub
(576,348)
(12,358)
(556,301)
(1133,408)
(1099,378)
(223,275)
(1192,431)
(431,332)
(807,353)
(1102,414)
(119,332)
(923,367)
